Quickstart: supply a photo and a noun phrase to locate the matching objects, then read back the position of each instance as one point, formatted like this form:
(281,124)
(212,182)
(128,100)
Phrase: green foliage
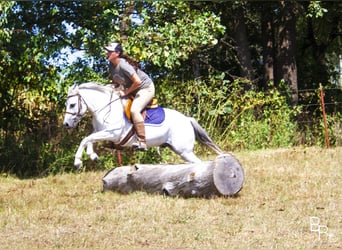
(5,34)
(334,124)
(236,118)
(166,42)
(316,10)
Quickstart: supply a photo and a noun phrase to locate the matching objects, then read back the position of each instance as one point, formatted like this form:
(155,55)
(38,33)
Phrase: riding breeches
(141,99)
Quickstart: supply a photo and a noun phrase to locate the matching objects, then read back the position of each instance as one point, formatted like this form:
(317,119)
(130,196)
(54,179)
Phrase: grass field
(283,188)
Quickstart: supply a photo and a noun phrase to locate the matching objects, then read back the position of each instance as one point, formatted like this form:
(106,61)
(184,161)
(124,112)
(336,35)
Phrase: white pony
(110,123)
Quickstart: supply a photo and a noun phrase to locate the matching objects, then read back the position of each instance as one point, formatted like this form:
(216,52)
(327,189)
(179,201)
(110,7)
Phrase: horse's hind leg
(189,157)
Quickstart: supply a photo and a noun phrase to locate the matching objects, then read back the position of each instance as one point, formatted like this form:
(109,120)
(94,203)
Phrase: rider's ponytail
(131,61)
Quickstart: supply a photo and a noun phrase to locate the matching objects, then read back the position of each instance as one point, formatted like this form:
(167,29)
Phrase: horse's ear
(73,87)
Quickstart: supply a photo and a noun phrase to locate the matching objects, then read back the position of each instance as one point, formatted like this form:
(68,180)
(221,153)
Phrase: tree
(268,42)
(286,64)
(319,43)
(242,42)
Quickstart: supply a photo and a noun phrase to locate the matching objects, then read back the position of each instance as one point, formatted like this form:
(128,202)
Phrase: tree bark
(267,29)
(241,43)
(286,63)
(222,177)
(124,26)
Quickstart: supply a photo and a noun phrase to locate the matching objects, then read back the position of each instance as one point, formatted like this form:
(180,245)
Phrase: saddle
(152,114)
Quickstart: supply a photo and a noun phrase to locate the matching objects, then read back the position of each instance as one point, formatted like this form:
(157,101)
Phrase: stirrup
(139,146)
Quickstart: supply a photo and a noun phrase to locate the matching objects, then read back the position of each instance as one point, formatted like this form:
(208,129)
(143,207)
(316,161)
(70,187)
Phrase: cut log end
(228,175)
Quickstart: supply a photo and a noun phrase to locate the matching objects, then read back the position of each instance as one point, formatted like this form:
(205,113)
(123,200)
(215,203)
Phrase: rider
(126,75)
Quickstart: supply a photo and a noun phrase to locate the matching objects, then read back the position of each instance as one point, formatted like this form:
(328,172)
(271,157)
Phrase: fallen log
(223,176)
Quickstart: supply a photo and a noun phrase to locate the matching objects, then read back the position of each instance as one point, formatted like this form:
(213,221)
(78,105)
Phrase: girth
(121,144)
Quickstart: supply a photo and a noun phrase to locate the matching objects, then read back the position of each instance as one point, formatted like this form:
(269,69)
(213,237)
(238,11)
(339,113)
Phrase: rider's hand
(121,93)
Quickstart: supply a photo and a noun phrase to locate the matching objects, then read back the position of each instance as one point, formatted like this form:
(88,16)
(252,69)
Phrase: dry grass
(282,189)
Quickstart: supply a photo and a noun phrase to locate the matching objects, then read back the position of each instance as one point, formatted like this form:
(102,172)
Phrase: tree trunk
(222,177)
(286,63)
(241,43)
(267,29)
(124,26)
(195,66)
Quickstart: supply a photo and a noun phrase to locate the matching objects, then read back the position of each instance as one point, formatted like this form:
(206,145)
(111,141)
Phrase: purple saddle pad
(155,115)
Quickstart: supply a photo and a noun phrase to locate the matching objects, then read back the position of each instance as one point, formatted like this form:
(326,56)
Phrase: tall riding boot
(140,131)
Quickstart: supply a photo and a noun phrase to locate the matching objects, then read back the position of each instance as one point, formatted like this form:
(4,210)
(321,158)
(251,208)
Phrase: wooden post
(222,177)
(324,117)
(118,152)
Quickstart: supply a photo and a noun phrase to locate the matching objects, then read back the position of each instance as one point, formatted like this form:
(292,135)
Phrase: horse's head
(75,108)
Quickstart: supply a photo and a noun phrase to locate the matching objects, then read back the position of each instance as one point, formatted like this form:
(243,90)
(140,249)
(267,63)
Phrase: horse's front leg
(91,153)
(78,156)
(88,141)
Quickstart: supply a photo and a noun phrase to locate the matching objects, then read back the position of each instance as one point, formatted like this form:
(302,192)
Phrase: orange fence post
(324,117)
(118,153)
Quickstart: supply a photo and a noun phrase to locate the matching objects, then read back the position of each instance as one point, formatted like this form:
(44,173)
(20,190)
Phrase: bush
(237,117)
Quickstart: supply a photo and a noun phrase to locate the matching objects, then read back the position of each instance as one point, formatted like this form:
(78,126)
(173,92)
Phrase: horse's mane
(95,86)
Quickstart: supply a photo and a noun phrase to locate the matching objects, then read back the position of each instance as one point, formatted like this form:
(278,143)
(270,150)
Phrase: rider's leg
(142,98)
(140,131)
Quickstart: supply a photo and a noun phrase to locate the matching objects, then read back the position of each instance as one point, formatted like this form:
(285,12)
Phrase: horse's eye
(72,105)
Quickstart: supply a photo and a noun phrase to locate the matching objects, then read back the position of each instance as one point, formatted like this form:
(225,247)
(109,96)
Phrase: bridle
(80,99)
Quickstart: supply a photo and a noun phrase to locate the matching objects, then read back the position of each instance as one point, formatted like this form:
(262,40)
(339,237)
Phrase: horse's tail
(203,137)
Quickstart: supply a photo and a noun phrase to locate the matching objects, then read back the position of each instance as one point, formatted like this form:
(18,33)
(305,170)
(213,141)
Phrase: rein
(110,102)
(80,99)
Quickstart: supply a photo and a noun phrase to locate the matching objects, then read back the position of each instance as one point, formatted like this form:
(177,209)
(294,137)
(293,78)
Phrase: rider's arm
(136,83)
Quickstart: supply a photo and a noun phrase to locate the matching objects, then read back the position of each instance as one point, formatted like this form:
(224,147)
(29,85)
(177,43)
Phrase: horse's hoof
(78,164)
(139,147)
(94,157)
